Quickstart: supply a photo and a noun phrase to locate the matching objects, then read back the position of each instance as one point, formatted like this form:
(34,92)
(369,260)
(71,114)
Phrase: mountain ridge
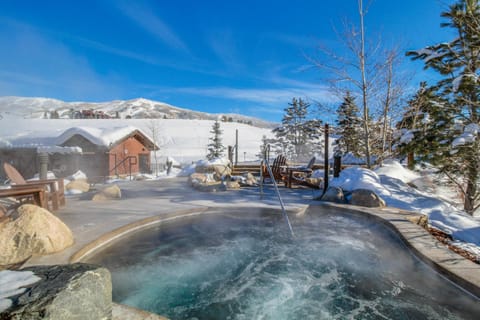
(138,108)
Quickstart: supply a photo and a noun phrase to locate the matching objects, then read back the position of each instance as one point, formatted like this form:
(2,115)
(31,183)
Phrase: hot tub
(244,264)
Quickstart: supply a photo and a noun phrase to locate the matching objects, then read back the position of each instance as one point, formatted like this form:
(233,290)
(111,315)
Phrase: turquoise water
(224,267)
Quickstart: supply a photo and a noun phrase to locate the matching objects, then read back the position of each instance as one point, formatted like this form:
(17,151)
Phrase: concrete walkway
(88,219)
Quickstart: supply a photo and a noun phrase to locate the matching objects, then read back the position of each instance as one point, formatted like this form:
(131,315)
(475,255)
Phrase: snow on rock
(360,178)
(394,169)
(187,171)
(11,283)
(216,161)
(79,175)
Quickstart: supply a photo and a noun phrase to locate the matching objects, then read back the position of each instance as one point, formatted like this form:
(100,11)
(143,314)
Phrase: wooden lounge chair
(54,190)
(278,169)
(299,175)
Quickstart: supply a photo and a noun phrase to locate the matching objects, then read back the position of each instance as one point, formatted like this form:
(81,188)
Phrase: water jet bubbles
(248,269)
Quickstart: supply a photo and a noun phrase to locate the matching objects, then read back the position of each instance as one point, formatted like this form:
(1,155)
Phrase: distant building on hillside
(96,152)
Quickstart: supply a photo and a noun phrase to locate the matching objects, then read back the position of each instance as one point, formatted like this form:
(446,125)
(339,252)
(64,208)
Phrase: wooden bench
(21,193)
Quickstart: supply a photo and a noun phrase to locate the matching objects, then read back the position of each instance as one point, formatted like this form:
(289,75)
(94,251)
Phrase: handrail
(130,164)
(269,170)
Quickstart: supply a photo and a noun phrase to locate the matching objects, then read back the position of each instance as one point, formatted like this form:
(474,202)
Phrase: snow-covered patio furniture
(54,195)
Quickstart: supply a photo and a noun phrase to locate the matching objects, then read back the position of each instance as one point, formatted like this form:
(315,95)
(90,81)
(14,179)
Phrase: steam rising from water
(336,268)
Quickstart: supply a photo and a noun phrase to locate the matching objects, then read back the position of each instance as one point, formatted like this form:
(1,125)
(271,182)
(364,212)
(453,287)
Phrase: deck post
(43,157)
(325,178)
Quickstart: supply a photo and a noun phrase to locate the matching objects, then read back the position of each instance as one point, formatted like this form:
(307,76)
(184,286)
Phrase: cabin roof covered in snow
(106,137)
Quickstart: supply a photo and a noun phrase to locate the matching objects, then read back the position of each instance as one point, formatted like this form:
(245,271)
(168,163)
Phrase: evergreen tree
(295,138)
(349,127)
(215,149)
(416,127)
(457,119)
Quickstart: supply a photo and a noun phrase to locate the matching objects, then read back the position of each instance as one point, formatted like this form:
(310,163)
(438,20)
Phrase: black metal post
(337,165)
(325,178)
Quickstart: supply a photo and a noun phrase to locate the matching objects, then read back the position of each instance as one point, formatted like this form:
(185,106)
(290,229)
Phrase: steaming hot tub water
(246,266)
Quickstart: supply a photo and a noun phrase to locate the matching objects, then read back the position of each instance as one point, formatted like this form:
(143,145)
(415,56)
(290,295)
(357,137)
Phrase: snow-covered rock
(360,178)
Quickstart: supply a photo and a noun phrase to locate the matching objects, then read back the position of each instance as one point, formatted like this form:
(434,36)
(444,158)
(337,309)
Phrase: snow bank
(394,169)
(11,283)
(390,182)
(360,178)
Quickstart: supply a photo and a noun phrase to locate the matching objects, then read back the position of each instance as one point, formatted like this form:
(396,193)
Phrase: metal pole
(236,146)
(325,178)
(279,197)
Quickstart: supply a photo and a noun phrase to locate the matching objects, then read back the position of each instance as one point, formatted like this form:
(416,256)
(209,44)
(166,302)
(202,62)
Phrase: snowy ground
(408,190)
(185,141)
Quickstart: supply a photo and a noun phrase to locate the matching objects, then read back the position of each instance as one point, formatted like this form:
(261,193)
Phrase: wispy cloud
(224,46)
(115,51)
(265,96)
(148,21)
(36,64)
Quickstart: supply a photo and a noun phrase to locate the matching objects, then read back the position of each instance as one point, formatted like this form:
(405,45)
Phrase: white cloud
(266,96)
(148,21)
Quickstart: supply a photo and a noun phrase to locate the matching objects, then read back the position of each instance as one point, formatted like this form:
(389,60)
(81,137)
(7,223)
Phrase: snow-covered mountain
(38,108)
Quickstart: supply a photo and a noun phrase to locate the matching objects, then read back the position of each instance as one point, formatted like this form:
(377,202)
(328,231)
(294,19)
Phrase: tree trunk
(410,161)
(386,108)
(364,87)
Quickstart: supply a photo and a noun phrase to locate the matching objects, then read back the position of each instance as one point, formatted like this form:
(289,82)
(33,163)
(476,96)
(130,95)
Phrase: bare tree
(391,97)
(369,72)
(154,128)
(356,71)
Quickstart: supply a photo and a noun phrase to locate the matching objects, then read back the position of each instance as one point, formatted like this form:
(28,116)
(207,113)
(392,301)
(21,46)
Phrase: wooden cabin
(96,152)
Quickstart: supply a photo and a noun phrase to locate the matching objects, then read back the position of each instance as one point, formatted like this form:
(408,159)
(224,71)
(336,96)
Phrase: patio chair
(54,190)
(278,169)
(301,174)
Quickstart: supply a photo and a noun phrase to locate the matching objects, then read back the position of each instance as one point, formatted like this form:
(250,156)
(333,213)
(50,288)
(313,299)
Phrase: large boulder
(250,179)
(219,171)
(366,198)
(81,185)
(232,185)
(109,193)
(216,186)
(32,231)
(333,194)
(198,178)
(76,291)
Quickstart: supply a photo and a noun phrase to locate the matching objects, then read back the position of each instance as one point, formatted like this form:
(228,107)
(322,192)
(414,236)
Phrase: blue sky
(216,56)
